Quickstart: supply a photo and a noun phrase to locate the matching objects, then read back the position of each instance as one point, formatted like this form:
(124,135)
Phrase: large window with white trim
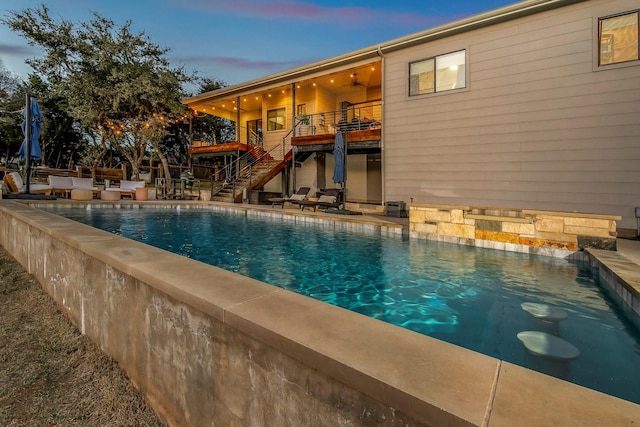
(618,38)
(438,74)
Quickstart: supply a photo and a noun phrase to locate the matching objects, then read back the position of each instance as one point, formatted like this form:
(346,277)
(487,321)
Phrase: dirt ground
(50,374)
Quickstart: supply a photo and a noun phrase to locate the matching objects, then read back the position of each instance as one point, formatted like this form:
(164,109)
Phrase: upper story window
(276,119)
(618,38)
(438,74)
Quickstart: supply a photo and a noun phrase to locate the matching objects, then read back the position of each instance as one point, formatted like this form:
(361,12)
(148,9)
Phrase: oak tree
(117,83)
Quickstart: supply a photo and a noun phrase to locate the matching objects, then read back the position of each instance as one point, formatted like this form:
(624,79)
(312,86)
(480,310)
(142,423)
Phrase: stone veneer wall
(550,233)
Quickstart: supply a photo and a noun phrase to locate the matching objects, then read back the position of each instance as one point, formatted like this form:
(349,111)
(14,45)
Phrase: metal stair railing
(242,169)
(216,186)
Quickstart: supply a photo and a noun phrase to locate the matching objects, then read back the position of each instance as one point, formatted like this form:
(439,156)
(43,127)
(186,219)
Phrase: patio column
(238,118)
(293,107)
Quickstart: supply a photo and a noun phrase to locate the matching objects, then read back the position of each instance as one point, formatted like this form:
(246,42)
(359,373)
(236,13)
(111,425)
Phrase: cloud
(310,12)
(8,49)
(237,63)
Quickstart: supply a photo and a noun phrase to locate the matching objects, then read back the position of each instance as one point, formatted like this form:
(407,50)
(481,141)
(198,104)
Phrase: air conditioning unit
(396,209)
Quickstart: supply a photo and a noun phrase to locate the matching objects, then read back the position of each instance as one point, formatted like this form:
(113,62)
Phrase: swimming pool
(463,295)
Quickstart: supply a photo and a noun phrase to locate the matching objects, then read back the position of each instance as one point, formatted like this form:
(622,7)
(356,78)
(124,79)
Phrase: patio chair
(296,197)
(16,185)
(330,199)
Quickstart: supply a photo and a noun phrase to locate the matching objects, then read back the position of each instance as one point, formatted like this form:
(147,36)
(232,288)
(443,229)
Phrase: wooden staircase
(253,175)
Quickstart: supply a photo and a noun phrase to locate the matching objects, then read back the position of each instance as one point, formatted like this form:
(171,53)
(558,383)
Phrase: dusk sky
(240,40)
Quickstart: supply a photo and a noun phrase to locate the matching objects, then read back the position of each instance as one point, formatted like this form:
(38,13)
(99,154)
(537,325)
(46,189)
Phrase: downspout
(382,159)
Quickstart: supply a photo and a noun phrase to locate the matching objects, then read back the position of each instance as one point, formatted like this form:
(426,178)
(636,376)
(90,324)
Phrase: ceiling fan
(354,80)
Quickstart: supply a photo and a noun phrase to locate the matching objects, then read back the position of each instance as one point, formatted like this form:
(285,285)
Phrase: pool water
(466,296)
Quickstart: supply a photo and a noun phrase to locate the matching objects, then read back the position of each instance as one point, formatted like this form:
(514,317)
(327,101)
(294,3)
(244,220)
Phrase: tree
(63,140)
(8,83)
(210,128)
(115,82)
(11,103)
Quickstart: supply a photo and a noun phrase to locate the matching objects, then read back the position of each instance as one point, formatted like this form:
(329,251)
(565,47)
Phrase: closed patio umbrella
(339,168)
(339,173)
(34,115)
(30,148)
(338,152)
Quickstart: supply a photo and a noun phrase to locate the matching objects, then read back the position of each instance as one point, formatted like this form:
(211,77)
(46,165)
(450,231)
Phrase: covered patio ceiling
(338,82)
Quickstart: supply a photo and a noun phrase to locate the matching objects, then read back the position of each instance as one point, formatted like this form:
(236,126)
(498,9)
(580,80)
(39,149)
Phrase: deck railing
(366,115)
(361,116)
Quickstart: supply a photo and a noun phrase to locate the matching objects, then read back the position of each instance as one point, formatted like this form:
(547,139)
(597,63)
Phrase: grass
(52,375)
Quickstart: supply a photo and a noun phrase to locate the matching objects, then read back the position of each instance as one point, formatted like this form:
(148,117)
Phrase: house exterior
(531,106)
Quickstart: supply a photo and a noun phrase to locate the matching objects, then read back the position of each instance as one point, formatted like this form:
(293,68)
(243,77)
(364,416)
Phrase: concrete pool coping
(432,381)
(621,270)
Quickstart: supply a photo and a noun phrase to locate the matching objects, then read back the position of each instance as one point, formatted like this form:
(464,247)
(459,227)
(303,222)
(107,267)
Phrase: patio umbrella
(30,148)
(339,174)
(34,115)
(338,152)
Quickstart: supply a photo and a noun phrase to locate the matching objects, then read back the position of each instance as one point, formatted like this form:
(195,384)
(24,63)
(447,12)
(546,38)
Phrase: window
(618,39)
(438,74)
(276,119)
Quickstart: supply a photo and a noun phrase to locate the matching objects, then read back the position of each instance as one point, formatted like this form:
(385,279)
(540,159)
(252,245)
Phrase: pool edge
(252,317)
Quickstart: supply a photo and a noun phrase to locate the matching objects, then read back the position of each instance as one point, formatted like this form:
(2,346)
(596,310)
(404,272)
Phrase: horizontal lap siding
(536,127)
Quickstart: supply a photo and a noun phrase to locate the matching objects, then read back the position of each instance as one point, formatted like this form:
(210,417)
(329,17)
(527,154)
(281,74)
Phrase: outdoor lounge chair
(299,196)
(295,198)
(16,185)
(330,199)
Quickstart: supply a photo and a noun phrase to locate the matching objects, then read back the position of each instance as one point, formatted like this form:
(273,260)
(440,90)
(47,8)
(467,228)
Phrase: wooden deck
(358,142)
(329,138)
(219,149)
(367,138)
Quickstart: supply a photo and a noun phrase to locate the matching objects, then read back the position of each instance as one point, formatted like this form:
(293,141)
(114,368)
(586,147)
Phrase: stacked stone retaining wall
(550,233)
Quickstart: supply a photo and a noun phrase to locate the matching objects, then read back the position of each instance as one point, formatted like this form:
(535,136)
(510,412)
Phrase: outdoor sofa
(63,185)
(127,188)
